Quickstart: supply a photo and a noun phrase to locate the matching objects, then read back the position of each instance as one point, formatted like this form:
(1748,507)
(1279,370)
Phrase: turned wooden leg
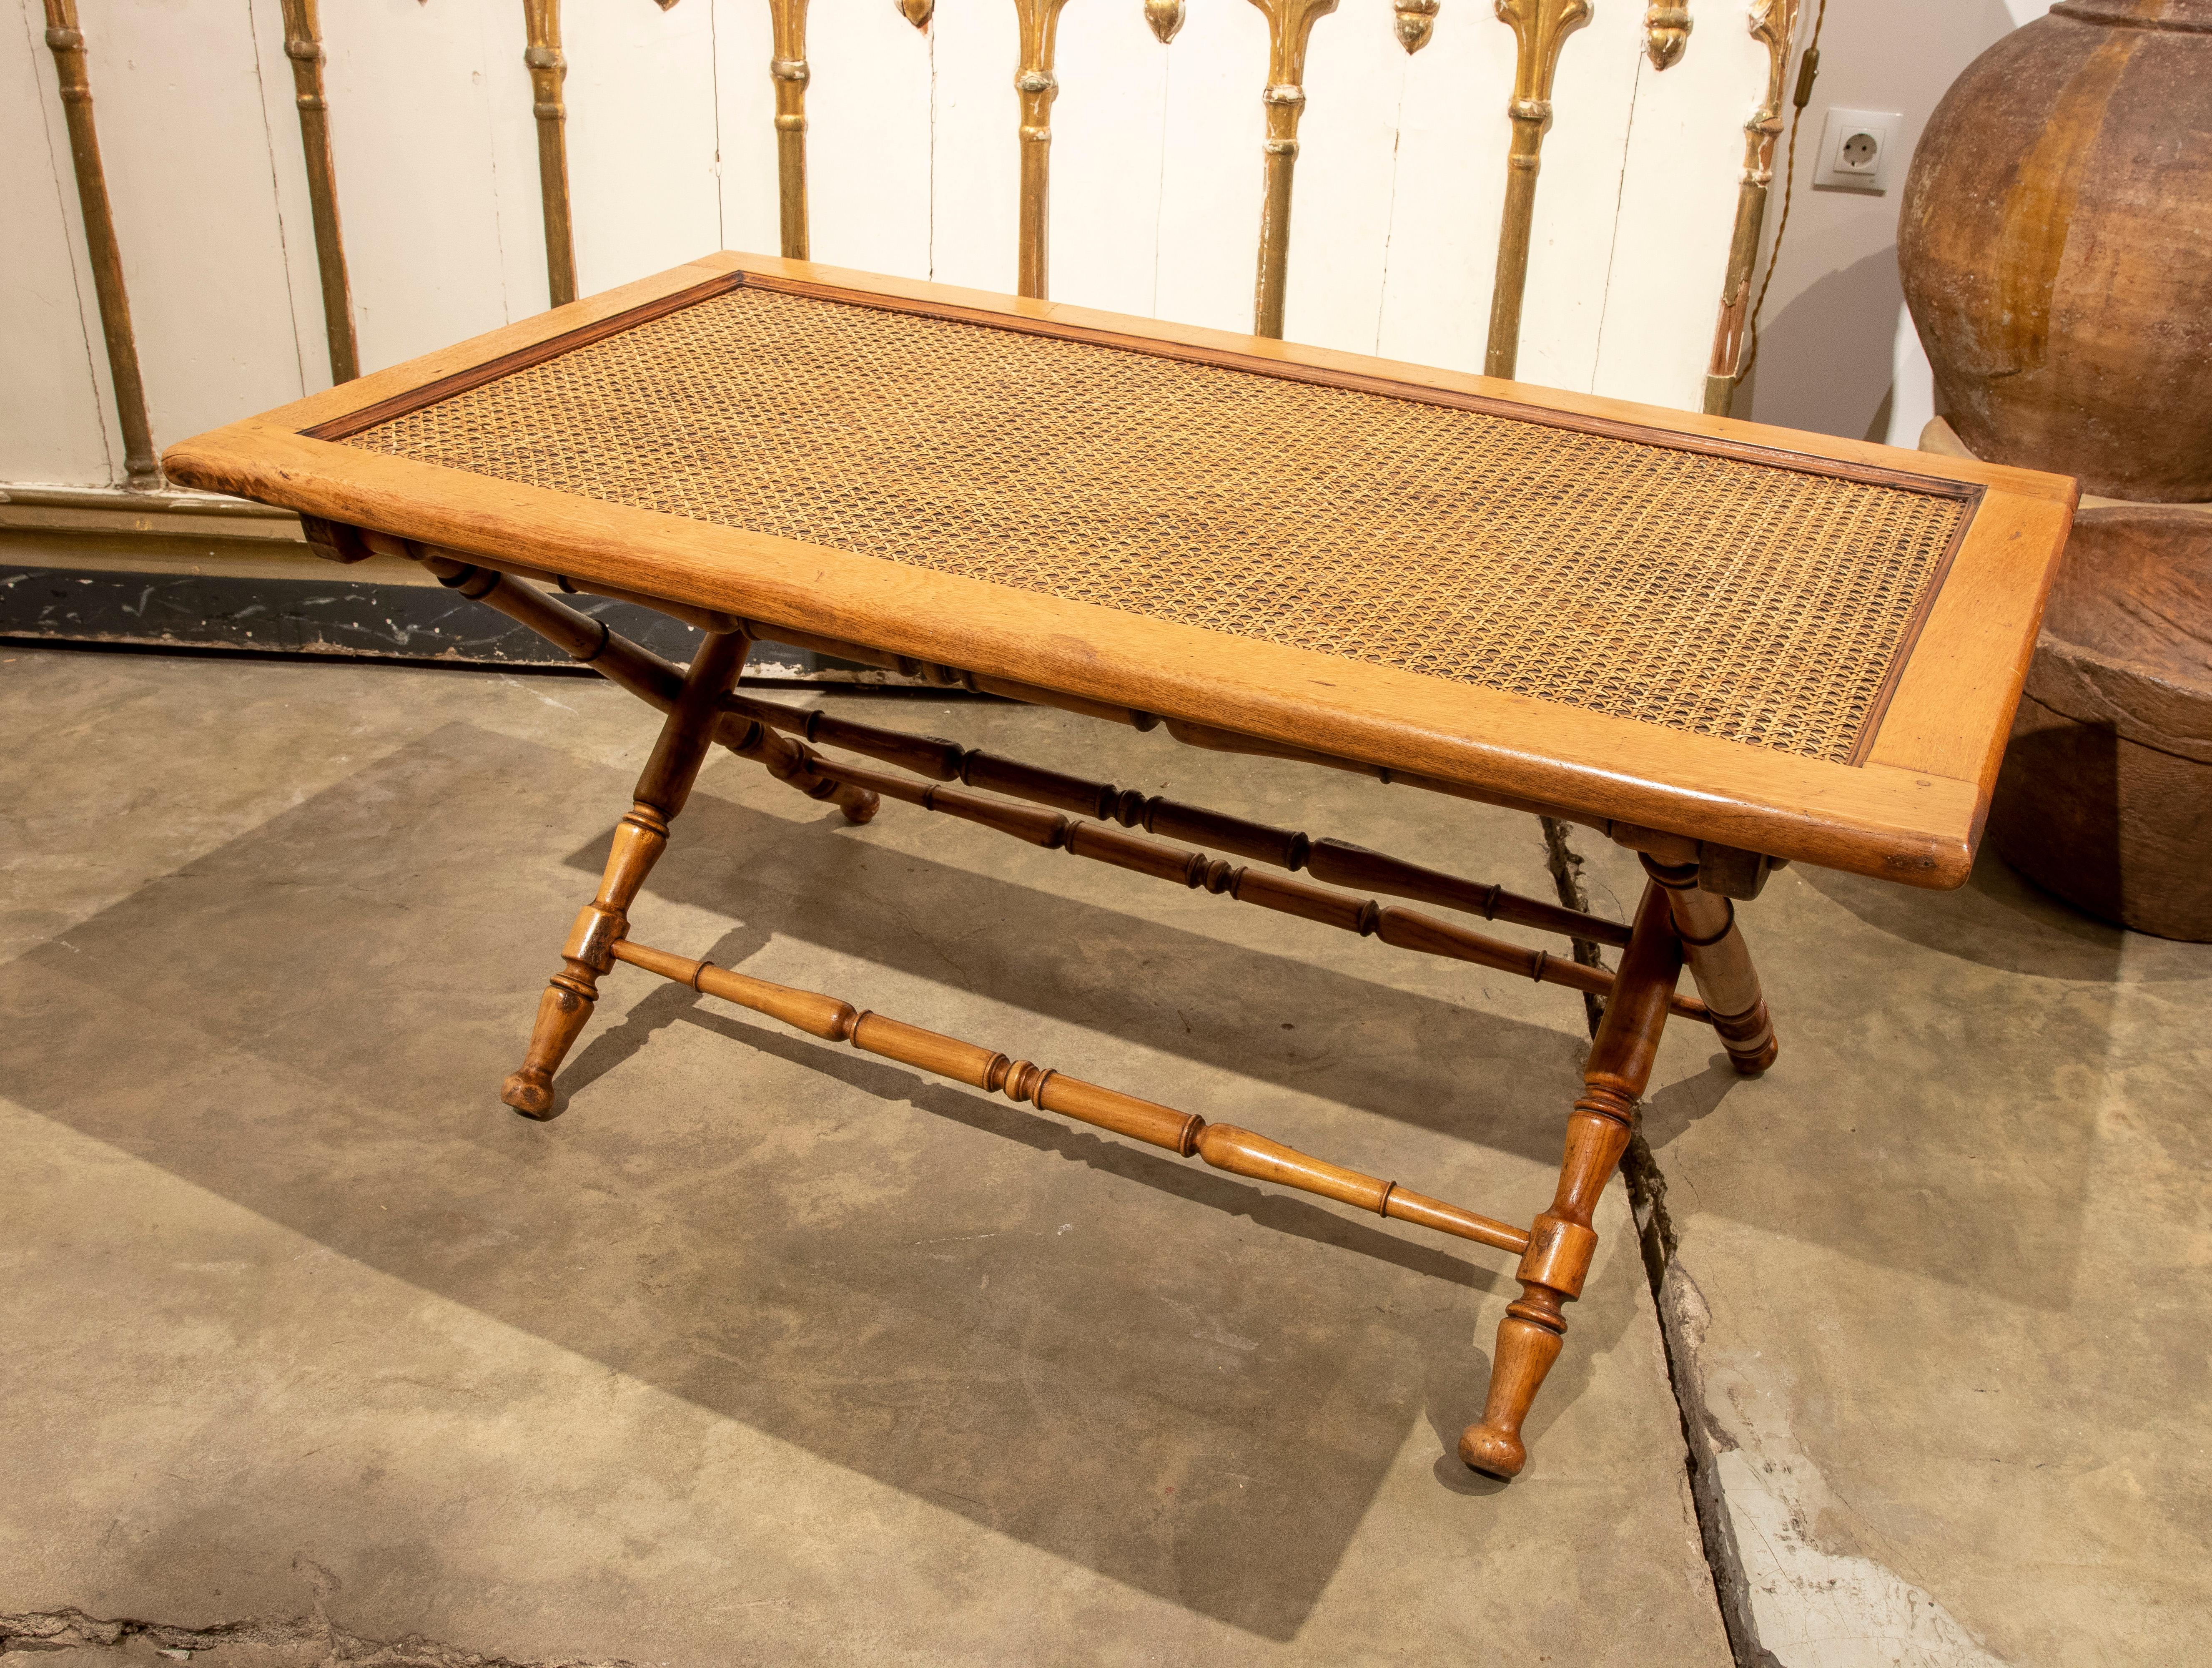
(1560,1246)
(1720,962)
(640,838)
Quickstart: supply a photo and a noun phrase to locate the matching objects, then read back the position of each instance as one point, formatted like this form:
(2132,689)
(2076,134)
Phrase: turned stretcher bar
(1221,1145)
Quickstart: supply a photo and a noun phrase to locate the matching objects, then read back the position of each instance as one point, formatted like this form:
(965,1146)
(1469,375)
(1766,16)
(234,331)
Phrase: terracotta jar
(2056,244)
(2105,794)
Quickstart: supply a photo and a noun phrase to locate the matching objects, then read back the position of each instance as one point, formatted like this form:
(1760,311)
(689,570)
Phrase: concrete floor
(766,1350)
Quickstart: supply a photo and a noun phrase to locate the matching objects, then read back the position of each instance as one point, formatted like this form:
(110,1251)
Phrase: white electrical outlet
(1854,148)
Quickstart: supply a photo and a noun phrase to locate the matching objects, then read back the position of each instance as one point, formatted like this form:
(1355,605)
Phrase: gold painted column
(1290,26)
(1037,87)
(1540,29)
(788,68)
(140,465)
(1775,22)
(548,69)
(303,45)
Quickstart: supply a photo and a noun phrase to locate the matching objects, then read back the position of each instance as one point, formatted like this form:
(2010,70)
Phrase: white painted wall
(436,160)
(912,154)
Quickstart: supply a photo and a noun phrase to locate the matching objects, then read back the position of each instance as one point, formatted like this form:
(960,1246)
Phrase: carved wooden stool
(1722,645)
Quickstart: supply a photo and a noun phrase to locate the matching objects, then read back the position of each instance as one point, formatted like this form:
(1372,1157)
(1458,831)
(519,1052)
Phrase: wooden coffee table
(1721,645)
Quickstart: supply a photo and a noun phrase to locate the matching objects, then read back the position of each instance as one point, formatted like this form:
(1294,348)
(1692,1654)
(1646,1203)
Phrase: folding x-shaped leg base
(1676,924)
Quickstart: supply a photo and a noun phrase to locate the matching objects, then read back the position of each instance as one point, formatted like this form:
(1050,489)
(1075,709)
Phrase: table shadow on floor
(1944,1058)
(1997,920)
(1202,1404)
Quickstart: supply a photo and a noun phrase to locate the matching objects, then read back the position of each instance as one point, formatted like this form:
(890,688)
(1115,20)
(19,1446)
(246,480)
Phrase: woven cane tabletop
(1710,595)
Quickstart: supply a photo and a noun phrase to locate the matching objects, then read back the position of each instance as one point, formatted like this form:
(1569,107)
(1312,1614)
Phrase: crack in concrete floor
(1647,1196)
(1748,1476)
(1647,1201)
(51,1639)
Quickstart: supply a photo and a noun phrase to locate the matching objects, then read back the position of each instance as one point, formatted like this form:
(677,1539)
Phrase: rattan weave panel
(1704,593)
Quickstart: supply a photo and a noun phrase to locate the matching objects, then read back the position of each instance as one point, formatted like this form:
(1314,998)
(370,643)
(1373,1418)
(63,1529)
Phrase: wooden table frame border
(1911,812)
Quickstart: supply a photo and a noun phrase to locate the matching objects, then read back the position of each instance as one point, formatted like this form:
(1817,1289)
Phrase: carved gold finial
(1415,23)
(1666,32)
(1165,16)
(918,12)
(1775,22)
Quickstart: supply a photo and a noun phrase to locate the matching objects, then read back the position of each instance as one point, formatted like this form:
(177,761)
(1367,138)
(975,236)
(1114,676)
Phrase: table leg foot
(1749,1040)
(793,763)
(562,1012)
(530,1092)
(1527,1348)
